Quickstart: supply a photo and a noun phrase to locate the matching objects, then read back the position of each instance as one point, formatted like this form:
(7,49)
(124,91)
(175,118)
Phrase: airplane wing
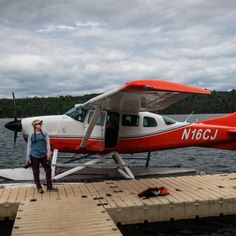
(136,96)
(143,95)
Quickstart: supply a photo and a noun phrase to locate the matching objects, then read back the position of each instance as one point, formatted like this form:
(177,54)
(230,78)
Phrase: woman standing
(38,152)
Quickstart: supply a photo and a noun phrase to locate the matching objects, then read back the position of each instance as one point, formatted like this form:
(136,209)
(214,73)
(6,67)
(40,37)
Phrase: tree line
(218,102)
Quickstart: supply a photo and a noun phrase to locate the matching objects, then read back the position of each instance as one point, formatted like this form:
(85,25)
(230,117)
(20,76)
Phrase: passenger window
(100,120)
(149,122)
(130,120)
(168,121)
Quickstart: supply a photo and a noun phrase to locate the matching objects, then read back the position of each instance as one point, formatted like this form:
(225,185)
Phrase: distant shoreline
(218,102)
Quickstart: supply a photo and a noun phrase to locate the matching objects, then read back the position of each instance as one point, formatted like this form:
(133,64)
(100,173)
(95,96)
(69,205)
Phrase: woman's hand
(49,157)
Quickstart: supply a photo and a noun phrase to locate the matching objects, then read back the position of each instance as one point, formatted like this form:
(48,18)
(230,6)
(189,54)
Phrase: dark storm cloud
(76,47)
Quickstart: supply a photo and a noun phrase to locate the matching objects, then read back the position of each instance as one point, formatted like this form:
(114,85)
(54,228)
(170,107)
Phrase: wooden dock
(63,217)
(190,197)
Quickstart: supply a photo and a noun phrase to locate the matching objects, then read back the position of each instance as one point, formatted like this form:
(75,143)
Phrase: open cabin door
(112,129)
(96,139)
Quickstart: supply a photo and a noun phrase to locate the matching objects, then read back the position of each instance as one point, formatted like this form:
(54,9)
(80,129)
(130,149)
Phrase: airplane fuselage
(133,133)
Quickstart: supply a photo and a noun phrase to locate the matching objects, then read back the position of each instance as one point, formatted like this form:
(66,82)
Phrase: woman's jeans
(47,167)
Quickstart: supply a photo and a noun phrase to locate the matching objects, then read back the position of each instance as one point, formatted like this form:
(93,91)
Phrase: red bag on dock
(153,192)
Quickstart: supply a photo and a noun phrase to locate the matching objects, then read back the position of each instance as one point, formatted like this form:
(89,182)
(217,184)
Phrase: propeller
(14,125)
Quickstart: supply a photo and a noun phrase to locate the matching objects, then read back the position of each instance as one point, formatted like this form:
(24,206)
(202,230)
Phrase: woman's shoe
(52,189)
(40,190)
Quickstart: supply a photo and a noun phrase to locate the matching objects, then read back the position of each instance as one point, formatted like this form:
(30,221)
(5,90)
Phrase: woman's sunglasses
(38,124)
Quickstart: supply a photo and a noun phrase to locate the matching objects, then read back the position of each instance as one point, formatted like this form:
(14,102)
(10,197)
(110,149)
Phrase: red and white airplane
(121,121)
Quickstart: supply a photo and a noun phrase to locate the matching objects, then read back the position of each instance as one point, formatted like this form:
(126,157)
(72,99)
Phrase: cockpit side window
(100,120)
(168,121)
(77,113)
(130,120)
(149,122)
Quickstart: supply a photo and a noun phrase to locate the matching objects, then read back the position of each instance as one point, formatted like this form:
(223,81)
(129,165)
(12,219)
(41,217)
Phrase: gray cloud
(76,47)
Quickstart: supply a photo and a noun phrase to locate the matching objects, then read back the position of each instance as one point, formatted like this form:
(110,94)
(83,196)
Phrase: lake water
(203,159)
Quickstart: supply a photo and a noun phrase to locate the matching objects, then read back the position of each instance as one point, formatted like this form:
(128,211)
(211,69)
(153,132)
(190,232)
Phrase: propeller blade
(14,106)
(14,125)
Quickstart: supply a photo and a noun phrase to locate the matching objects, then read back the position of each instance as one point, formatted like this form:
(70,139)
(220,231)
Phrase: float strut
(148,159)
(120,163)
(75,169)
(126,172)
(54,161)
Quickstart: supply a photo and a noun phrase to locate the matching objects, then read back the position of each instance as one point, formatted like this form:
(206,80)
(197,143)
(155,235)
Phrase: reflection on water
(203,159)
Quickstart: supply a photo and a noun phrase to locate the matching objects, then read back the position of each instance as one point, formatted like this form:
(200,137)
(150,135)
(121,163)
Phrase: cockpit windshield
(77,113)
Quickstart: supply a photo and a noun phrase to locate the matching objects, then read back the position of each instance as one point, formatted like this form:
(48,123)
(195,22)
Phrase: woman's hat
(37,122)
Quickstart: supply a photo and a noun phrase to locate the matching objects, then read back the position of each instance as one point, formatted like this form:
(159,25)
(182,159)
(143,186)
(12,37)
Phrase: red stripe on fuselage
(192,135)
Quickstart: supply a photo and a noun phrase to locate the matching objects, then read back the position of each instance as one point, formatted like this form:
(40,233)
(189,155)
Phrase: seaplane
(123,121)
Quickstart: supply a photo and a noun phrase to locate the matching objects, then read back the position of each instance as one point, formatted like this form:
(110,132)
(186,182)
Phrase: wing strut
(90,127)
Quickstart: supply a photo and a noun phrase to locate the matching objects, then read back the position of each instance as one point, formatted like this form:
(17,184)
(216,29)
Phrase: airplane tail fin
(228,120)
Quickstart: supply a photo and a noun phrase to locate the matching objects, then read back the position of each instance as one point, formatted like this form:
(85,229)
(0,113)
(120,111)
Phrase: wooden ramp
(63,217)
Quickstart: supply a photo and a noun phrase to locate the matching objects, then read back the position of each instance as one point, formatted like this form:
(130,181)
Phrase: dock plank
(6,194)
(61,191)
(21,194)
(217,183)
(76,190)
(84,190)
(69,191)
(14,194)
(205,187)
(173,189)
(104,196)
(132,195)
(171,197)
(29,193)
(76,217)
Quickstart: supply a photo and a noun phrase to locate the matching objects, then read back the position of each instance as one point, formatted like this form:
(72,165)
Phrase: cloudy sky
(74,47)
